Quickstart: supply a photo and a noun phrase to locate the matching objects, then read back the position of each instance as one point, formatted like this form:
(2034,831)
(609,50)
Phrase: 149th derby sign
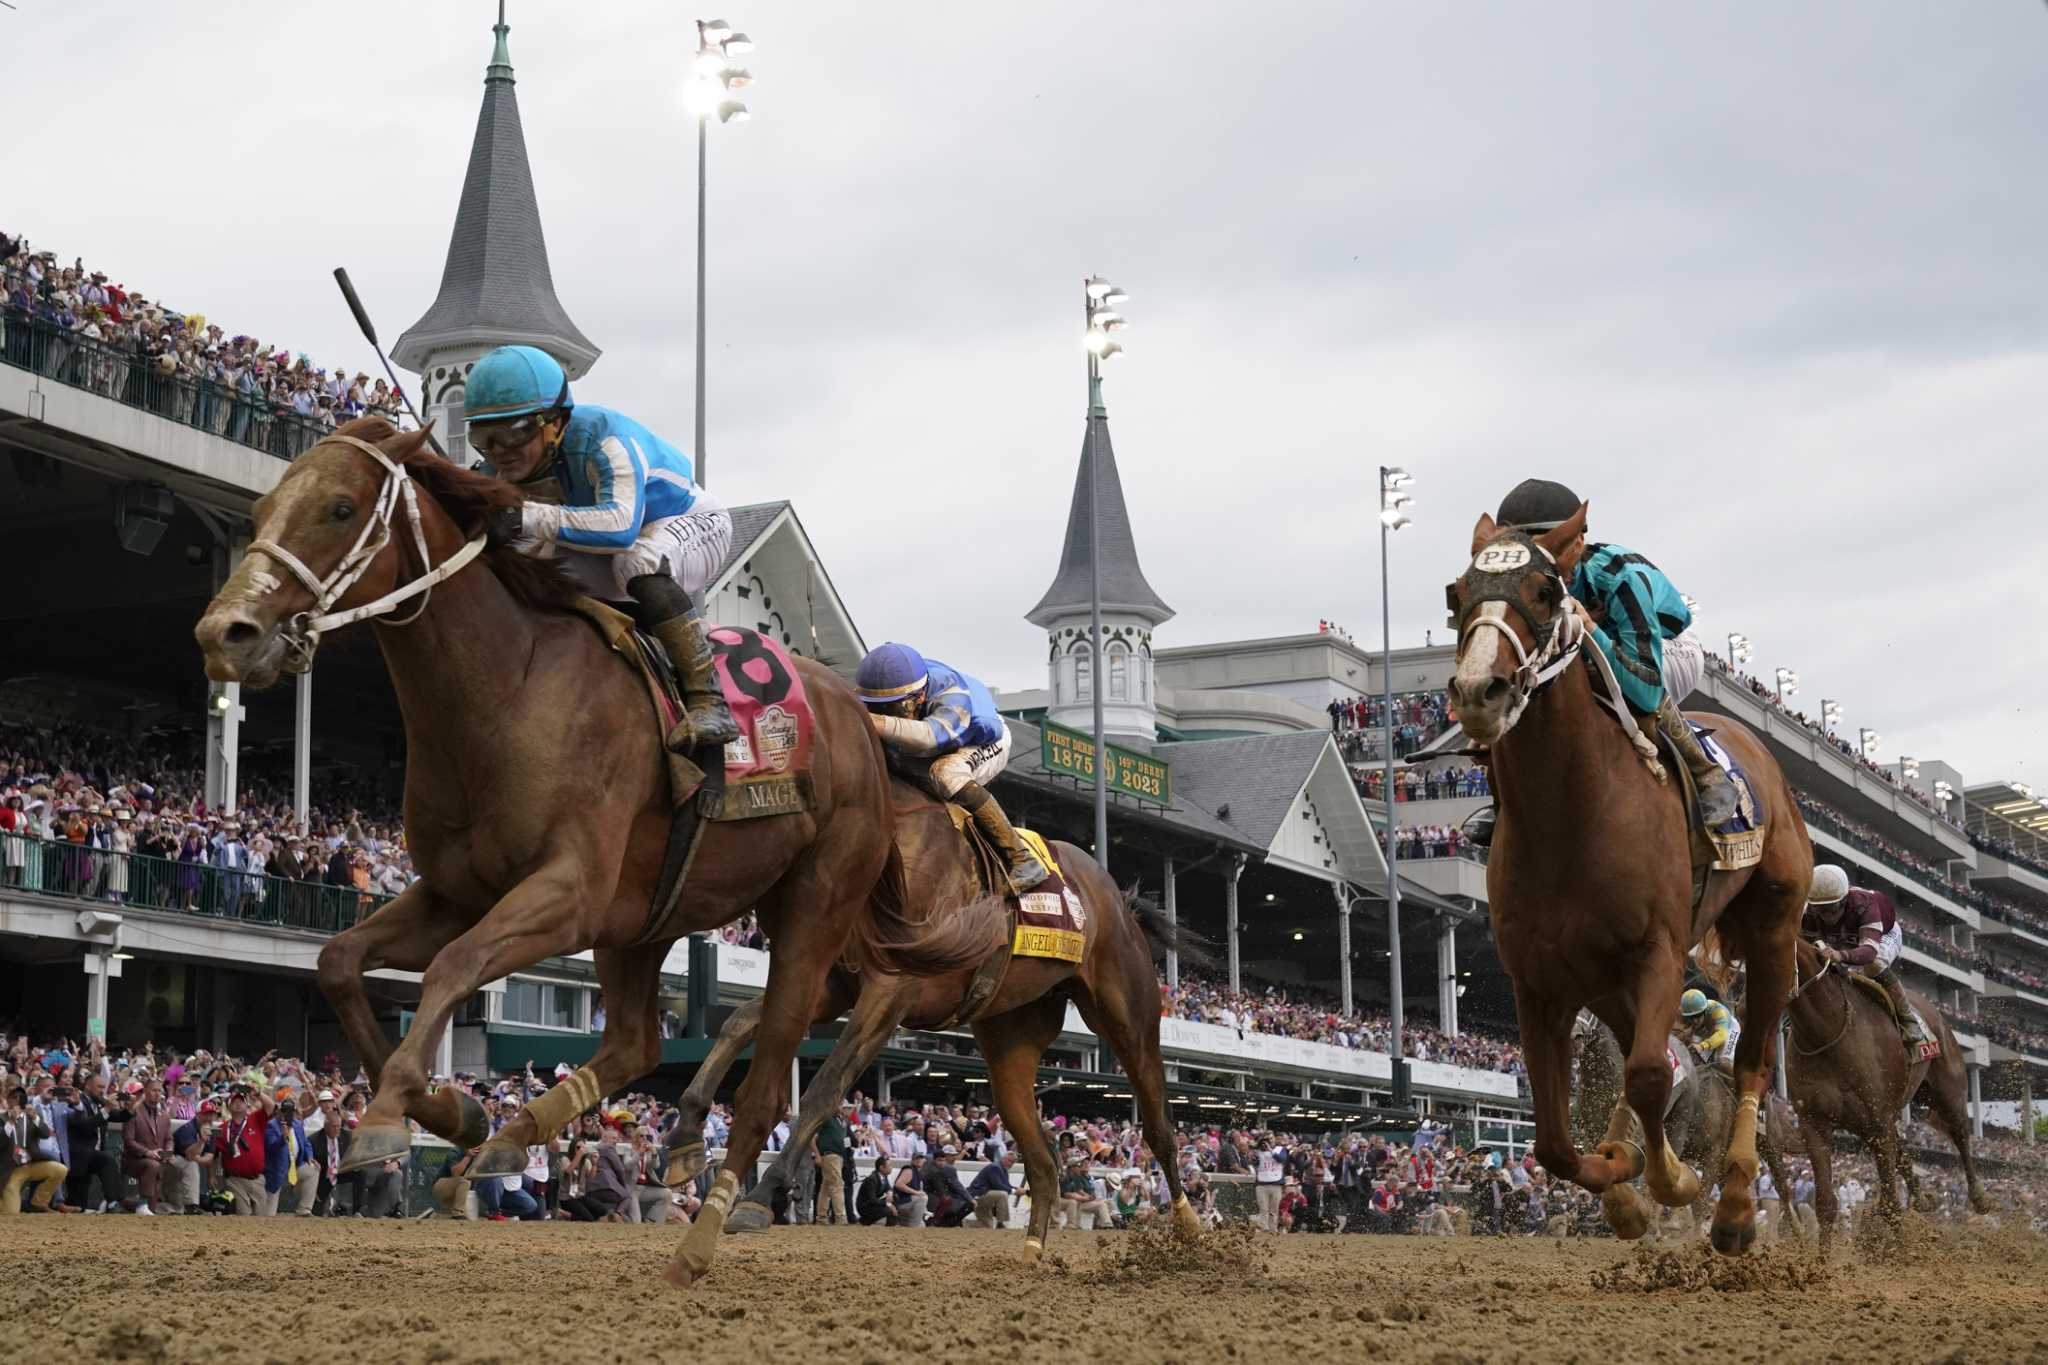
(1072,754)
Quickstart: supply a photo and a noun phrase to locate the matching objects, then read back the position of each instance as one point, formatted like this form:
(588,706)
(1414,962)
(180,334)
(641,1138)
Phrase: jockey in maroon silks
(1859,928)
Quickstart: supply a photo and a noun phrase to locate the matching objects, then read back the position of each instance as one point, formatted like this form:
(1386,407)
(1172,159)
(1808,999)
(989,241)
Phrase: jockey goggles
(490,438)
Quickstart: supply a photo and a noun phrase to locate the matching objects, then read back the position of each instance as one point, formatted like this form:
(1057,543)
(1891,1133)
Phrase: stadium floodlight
(1867,741)
(1909,768)
(713,80)
(1395,504)
(1830,714)
(1692,604)
(1738,649)
(1788,684)
(1943,792)
(1099,299)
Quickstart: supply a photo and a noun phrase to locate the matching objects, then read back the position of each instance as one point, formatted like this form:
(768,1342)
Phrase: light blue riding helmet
(515,381)
(889,673)
(1692,1002)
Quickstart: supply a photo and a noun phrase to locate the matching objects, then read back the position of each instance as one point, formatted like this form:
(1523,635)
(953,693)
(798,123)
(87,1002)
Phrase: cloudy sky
(1762,282)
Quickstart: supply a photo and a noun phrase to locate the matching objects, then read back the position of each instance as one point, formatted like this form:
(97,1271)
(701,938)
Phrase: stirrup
(1027,873)
(706,720)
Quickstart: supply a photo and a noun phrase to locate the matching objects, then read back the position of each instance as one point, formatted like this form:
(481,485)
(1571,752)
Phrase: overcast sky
(1765,283)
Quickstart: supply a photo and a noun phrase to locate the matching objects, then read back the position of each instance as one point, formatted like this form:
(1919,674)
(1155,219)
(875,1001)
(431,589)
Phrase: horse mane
(468,497)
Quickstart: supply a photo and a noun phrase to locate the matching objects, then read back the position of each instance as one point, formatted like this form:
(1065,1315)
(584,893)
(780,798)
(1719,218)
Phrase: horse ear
(1483,531)
(1566,531)
(410,443)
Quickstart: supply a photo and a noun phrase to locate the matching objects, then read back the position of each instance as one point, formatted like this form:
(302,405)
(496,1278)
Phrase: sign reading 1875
(1072,754)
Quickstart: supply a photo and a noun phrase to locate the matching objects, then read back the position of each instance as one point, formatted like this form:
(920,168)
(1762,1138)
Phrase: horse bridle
(301,635)
(1557,640)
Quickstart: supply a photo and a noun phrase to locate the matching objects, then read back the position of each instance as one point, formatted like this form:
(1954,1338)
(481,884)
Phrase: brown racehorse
(1848,1070)
(537,797)
(1589,880)
(1114,987)
(1700,1118)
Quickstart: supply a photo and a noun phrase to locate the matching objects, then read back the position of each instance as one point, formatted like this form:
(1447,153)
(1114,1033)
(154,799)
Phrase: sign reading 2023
(1072,754)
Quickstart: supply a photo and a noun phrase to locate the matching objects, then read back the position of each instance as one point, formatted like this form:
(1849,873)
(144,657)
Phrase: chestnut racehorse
(1589,883)
(1114,987)
(1847,1070)
(537,801)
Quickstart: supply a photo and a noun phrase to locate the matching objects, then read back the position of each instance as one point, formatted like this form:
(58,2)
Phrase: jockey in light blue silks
(925,710)
(1640,622)
(617,503)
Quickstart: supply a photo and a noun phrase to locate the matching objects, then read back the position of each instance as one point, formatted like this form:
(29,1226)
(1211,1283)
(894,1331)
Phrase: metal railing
(131,376)
(81,872)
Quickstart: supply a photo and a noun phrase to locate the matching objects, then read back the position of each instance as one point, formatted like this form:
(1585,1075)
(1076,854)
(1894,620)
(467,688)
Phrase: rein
(301,635)
(1799,988)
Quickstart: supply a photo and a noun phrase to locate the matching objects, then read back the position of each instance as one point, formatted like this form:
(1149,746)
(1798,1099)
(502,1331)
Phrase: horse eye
(343,510)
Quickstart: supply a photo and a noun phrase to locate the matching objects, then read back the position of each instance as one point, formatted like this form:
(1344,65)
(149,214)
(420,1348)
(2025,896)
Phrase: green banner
(1072,754)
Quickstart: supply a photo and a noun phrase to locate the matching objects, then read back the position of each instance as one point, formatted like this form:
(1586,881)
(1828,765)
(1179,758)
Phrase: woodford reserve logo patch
(775,732)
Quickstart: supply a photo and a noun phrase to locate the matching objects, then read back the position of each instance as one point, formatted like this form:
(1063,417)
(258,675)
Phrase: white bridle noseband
(302,633)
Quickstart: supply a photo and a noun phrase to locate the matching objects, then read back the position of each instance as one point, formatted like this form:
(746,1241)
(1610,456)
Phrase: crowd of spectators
(1308,1015)
(1360,723)
(1767,694)
(2010,851)
(69,323)
(1414,842)
(1423,784)
(1914,866)
(85,814)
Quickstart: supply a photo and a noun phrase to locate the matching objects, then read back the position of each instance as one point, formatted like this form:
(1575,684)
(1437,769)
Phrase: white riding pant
(694,545)
(1726,1052)
(951,772)
(1888,948)
(1685,659)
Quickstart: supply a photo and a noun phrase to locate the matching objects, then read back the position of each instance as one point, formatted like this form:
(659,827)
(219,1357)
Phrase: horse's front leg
(537,918)
(1648,1076)
(1547,1053)
(404,934)
(631,981)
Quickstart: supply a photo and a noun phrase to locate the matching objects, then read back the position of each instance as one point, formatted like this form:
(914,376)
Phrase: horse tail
(1714,962)
(1164,935)
(893,943)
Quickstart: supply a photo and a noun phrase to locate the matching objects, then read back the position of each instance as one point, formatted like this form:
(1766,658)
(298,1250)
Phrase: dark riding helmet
(1537,505)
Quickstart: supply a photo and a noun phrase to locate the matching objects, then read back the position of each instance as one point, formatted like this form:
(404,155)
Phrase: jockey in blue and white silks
(925,710)
(616,503)
(1642,625)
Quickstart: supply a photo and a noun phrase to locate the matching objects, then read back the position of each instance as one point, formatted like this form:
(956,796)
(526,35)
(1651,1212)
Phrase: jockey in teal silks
(1642,625)
(616,503)
(925,710)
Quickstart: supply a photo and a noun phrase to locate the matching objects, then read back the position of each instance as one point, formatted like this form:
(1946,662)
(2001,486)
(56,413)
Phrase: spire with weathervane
(1130,609)
(496,288)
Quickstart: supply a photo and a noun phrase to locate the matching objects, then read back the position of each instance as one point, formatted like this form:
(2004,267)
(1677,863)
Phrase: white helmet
(1830,884)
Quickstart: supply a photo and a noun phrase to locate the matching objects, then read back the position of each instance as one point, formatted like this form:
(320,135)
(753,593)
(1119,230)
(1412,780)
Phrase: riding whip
(355,305)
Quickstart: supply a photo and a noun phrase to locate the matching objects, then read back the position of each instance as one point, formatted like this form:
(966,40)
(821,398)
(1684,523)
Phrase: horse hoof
(1624,1213)
(749,1217)
(685,1163)
(473,1126)
(450,1192)
(1732,1239)
(497,1158)
(374,1146)
(1624,1159)
(678,1275)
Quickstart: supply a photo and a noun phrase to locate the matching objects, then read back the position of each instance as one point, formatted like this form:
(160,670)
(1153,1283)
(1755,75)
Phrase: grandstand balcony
(2010,877)
(1816,764)
(74,400)
(1448,877)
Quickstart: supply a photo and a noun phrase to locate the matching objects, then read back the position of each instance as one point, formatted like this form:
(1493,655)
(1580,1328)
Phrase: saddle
(766,771)
(1734,846)
(1048,921)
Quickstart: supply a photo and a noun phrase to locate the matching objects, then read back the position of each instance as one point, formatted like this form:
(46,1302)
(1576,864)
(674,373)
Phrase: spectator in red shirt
(240,1143)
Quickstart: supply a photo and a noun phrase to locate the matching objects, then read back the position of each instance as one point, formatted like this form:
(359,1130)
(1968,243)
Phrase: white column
(1230,914)
(99,966)
(1976,1101)
(796,1082)
(302,746)
(2027,1102)
(1447,977)
(1343,892)
(444,1051)
(1784,1044)
(223,726)
(1172,922)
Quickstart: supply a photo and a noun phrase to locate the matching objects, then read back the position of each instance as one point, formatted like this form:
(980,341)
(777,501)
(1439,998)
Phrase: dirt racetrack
(285,1289)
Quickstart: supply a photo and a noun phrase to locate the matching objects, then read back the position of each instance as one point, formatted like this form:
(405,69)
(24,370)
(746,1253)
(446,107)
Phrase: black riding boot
(668,614)
(1025,869)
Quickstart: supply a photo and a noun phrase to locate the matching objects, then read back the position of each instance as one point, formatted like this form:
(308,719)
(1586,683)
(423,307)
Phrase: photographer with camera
(30,1147)
(191,1164)
(291,1174)
(241,1148)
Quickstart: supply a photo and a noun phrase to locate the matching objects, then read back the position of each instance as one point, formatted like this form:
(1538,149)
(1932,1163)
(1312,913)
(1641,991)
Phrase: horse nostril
(240,633)
(1497,690)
